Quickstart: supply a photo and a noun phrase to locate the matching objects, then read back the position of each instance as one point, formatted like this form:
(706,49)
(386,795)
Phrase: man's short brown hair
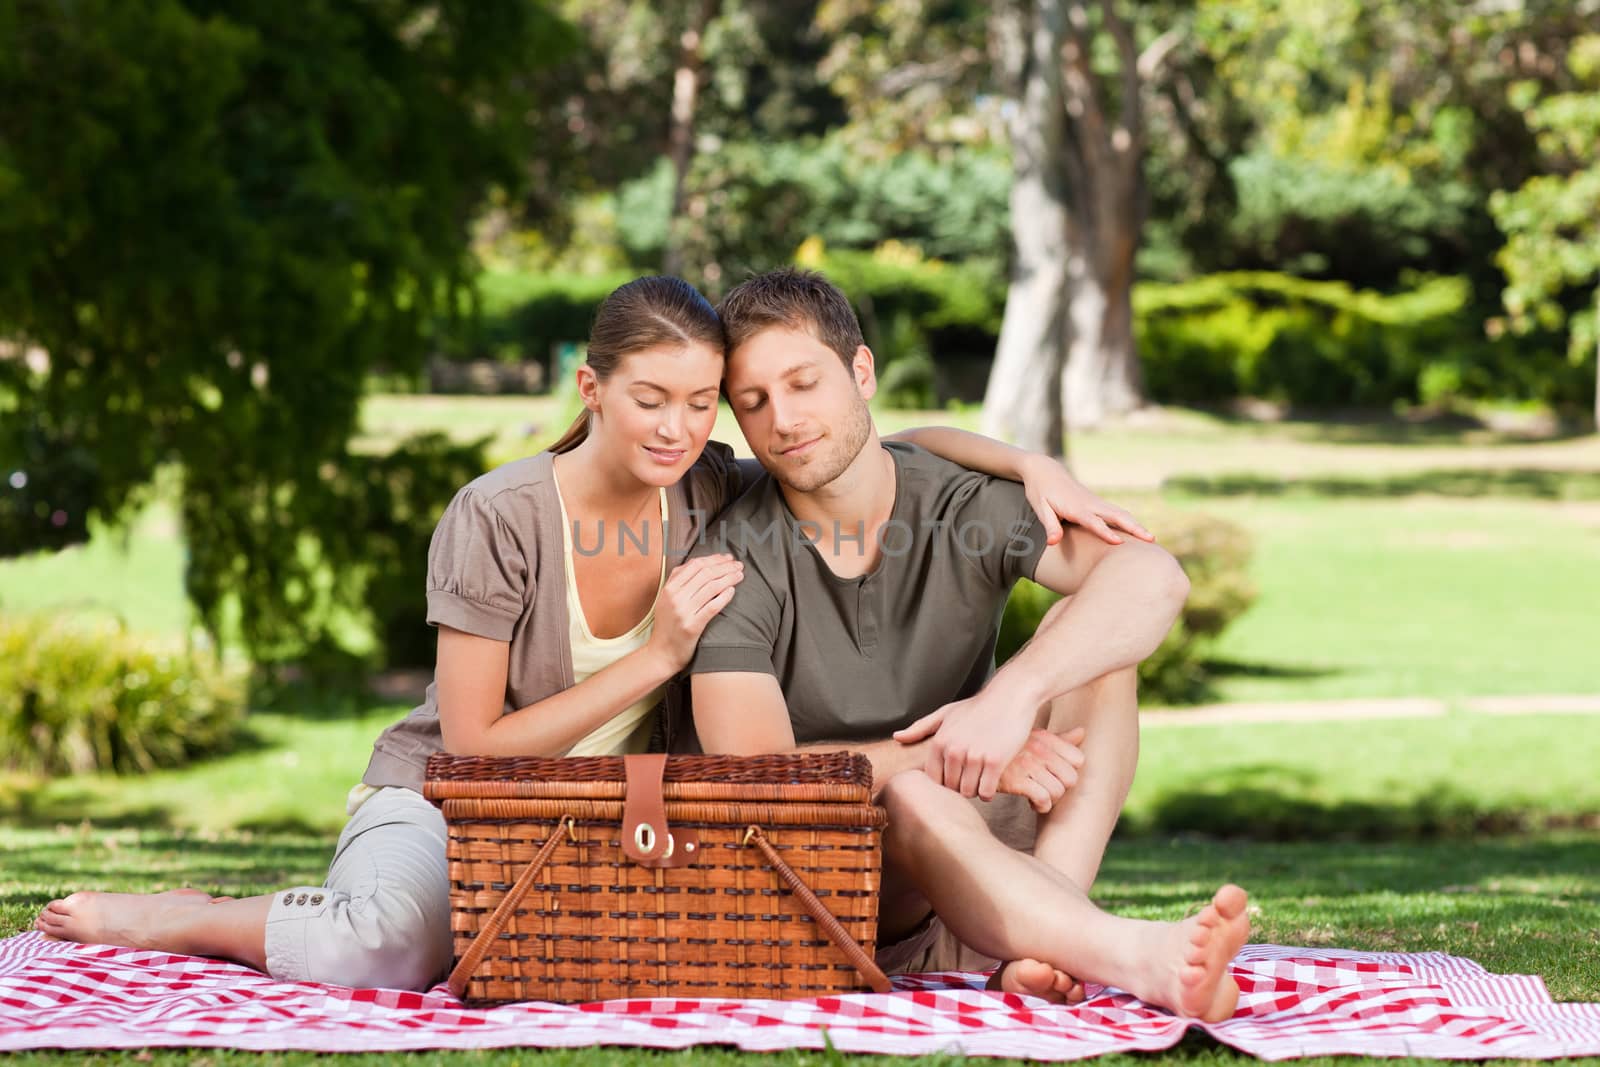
(793,299)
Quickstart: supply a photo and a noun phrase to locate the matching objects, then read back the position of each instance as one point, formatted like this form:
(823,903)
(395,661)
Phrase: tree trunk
(680,137)
(1597,360)
(1023,400)
(1103,376)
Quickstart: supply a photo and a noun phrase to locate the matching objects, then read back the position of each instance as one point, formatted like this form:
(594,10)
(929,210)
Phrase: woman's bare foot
(1204,989)
(1036,978)
(134,920)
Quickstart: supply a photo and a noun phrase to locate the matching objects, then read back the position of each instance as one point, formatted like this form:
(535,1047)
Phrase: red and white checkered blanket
(1295,1002)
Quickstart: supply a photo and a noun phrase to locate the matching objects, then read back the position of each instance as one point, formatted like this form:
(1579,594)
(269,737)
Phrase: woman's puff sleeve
(478,572)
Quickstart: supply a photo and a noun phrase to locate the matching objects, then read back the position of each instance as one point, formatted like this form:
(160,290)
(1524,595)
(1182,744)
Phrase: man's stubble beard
(848,445)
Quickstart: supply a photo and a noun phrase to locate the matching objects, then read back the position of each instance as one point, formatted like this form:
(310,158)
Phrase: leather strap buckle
(646,837)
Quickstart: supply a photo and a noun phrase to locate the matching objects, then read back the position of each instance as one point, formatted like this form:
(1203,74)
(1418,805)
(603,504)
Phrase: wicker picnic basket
(603,877)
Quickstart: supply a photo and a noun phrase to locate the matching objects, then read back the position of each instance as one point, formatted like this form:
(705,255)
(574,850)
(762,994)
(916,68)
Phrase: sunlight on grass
(1417,596)
(1369,778)
(293,774)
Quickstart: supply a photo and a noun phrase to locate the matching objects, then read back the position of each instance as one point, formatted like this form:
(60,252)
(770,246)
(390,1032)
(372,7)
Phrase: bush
(1366,224)
(1323,344)
(927,321)
(1216,555)
(1305,343)
(523,316)
(750,203)
(76,697)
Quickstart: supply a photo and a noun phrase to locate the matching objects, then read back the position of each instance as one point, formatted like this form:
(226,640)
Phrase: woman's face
(655,413)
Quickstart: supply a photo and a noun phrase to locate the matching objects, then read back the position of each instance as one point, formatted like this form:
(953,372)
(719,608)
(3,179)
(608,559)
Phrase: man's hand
(1045,769)
(971,744)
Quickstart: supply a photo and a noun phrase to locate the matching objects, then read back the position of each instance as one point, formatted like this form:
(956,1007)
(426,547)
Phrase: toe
(1230,901)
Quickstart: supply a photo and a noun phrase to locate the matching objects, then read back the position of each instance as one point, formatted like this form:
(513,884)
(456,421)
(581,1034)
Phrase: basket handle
(461,974)
(863,964)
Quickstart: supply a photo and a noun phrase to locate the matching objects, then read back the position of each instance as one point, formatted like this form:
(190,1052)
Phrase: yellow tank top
(630,729)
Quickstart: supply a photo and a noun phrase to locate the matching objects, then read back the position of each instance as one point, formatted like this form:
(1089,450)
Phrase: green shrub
(927,321)
(1323,344)
(1309,344)
(78,697)
(1215,554)
(1366,224)
(523,315)
(751,203)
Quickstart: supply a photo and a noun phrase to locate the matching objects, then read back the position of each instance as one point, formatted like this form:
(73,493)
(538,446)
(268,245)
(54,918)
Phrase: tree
(1552,222)
(669,92)
(219,219)
(1078,137)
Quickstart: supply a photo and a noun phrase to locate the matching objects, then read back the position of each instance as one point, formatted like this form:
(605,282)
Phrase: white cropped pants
(382,919)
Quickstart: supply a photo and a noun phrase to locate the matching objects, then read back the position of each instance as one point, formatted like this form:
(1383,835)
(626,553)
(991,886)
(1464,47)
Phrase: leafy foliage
(1324,344)
(301,568)
(751,204)
(219,219)
(77,697)
(1553,221)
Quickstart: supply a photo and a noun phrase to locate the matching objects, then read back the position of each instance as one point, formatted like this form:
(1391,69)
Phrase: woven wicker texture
(596,925)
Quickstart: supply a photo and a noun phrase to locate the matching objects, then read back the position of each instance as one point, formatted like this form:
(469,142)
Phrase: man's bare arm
(744,714)
(1124,600)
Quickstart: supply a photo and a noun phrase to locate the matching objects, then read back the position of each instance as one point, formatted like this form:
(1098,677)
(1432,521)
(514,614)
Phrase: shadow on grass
(40,865)
(1162,871)
(1520,483)
(1267,802)
(1421,428)
(348,697)
(1229,668)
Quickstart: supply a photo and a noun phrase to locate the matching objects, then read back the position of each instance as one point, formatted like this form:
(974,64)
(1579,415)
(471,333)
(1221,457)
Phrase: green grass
(134,574)
(1515,905)
(1373,778)
(1416,596)
(292,773)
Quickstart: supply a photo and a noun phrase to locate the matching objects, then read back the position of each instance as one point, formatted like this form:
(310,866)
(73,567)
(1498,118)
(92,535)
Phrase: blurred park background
(1309,285)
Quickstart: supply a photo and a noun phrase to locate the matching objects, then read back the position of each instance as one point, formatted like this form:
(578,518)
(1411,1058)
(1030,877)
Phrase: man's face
(802,410)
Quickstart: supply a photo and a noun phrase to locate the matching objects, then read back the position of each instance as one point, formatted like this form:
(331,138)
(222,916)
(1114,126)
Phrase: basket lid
(843,777)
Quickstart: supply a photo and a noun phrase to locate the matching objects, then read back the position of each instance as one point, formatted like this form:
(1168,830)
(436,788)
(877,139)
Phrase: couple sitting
(846,596)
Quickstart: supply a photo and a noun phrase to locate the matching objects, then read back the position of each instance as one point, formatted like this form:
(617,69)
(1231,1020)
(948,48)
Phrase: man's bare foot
(1036,978)
(135,920)
(1205,990)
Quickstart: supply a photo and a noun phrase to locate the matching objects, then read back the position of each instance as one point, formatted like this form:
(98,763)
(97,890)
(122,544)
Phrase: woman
(564,608)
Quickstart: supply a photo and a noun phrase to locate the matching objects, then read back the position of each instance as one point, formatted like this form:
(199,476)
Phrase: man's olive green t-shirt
(858,658)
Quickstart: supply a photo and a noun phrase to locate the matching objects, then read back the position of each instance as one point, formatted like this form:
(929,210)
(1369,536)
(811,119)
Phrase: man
(874,580)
